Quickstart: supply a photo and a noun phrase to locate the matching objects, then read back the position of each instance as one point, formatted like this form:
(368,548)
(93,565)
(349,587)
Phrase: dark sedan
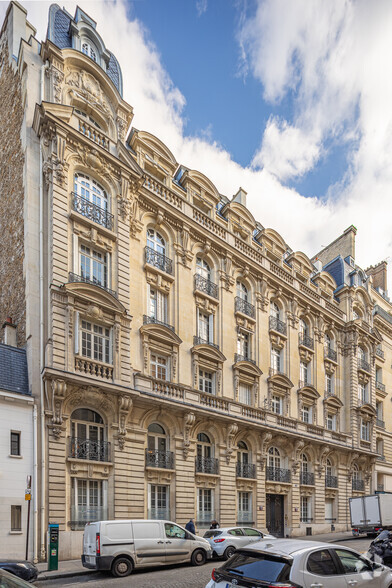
(20,568)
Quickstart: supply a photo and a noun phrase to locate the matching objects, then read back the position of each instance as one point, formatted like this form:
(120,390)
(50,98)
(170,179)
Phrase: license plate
(90,559)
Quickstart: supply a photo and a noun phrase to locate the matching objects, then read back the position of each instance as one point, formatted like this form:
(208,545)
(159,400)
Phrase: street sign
(28,494)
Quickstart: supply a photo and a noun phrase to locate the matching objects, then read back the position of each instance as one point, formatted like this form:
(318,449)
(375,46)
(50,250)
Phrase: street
(185,576)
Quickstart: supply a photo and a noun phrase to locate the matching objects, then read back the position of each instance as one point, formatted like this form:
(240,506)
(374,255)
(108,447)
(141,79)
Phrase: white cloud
(201,6)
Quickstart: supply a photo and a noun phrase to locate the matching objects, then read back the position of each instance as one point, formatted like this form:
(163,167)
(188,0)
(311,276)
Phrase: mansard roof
(13,370)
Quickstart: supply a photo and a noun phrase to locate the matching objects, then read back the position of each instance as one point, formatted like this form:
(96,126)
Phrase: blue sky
(289,99)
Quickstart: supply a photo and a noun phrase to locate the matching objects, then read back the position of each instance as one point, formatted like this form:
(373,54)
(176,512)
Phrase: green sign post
(53,534)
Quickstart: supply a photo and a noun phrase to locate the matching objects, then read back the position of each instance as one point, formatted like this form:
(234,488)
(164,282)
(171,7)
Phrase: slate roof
(13,370)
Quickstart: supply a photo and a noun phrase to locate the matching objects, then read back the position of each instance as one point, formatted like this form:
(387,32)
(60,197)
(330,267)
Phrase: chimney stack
(379,275)
(9,332)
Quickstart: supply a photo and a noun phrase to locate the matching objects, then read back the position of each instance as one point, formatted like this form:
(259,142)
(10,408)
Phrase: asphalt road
(185,576)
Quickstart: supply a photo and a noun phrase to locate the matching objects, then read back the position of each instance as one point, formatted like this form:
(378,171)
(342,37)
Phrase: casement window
(305,509)
(274,459)
(329,384)
(203,269)
(159,366)
(242,291)
(277,404)
(88,501)
(206,382)
(88,435)
(245,514)
(93,266)
(90,190)
(245,393)
(303,328)
(157,305)
(205,505)
(205,326)
(243,344)
(15,443)
(16,518)
(276,360)
(307,414)
(275,311)
(365,430)
(331,421)
(380,411)
(329,509)
(95,342)
(158,501)
(89,50)
(155,241)
(304,370)
(363,393)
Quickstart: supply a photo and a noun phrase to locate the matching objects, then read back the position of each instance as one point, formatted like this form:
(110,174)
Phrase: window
(15,443)
(304,463)
(276,360)
(365,430)
(88,435)
(379,410)
(202,268)
(242,291)
(243,346)
(88,502)
(205,326)
(353,563)
(304,370)
(329,468)
(155,241)
(274,458)
(96,342)
(157,439)
(305,509)
(379,375)
(87,117)
(306,414)
(321,563)
(275,310)
(204,446)
(89,50)
(16,518)
(91,191)
(242,453)
(363,393)
(277,404)
(329,518)
(245,394)
(159,367)
(205,510)
(206,382)
(93,266)
(158,502)
(157,305)
(303,328)
(328,341)
(329,384)
(331,421)
(174,531)
(245,507)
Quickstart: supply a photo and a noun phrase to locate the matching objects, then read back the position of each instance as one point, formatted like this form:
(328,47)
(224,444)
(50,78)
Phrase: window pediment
(367,410)
(309,392)
(209,352)
(248,367)
(162,333)
(96,295)
(280,380)
(333,402)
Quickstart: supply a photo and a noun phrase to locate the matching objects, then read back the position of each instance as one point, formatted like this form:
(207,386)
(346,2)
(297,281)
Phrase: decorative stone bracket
(189,421)
(125,404)
(232,430)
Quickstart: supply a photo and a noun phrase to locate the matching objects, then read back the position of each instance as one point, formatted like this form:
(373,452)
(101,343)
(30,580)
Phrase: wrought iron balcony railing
(306,520)
(306,478)
(380,423)
(330,354)
(90,210)
(277,371)
(380,457)
(244,516)
(88,449)
(364,365)
(205,285)
(244,306)
(331,481)
(379,352)
(380,386)
(240,357)
(246,470)
(204,517)
(200,341)
(76,278)
(158,260)
(159,514)
(358,485)
(149,320)
(277,325)
(278,474)
(81,515)
(207,465)
(306,341)
(159,459)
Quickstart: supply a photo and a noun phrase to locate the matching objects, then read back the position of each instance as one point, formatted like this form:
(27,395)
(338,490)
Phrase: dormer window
(89,50)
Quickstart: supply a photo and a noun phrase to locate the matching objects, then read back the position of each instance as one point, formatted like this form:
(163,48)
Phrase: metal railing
(246,470)
(380,423)
(159,514)
(204,518)
(92,211)
(358,485)
(380,386)
(149,320)
(364,365)
(207,465)
(200,341)
(277,372)
(244,516)
(278,474)
(81,515)
(76,278)
(165,264)
(306,478)
(159,459)
(330,354)
(380,457)
(88,449)
(240,357)
(244,306)
(306,341)
(331,481)
(329,393)
(277,325)
(205,285)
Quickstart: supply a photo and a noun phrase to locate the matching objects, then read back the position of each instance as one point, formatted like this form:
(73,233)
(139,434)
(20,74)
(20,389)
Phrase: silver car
(225,541)
(303,564)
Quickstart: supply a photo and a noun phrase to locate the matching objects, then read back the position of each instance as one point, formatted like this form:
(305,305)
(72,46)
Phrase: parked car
(8,580)
(301,564)
(225,541)
(120,546)
(21,568)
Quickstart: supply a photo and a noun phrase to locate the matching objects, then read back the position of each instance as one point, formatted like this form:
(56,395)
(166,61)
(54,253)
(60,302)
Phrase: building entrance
(275,514)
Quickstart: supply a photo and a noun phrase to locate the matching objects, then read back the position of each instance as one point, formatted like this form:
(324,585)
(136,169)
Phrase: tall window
(363,393)
(88,502)
(242,453)
(90,190)
(305,509)
(93,266)
(276,360)
(156,438)
(245,507)
(365,430)
(304,464)
(277,404)
(306,414)
(329,384)
(205,326)
(243,347)
(242,291)
(205,505)
(303,328)
(158,501)
(159,367)
(157,305)
(245,393)
(88,435)
(328,341)
(304,370)
(206,382)
(155,241)
(16,517)
(89,50)
(274,460)
(96,342)
(202,268)
(331,421)
(204,446)
(274,310)
(15,443)
(329,468)
(380,410)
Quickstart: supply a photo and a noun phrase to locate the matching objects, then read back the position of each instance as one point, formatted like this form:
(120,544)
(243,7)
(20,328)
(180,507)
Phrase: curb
(44,576)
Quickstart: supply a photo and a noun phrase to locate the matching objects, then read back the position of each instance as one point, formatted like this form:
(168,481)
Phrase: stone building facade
(192,364)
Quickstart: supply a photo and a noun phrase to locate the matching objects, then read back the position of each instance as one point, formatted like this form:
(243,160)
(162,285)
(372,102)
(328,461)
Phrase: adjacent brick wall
(12,286)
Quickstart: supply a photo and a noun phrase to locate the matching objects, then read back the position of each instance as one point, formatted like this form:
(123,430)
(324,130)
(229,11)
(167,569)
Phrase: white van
(120,546)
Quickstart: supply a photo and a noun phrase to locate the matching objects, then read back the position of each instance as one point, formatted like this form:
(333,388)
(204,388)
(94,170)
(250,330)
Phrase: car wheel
(122,567)
(229,552)
(199,557)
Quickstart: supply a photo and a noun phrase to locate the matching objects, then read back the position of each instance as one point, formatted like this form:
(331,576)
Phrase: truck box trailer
(369,514)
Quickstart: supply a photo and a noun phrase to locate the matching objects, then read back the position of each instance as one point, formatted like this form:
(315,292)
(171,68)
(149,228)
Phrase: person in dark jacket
(190,526)
(214,524)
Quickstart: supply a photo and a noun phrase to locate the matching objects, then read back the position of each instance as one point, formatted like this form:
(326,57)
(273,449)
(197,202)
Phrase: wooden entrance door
(275,514)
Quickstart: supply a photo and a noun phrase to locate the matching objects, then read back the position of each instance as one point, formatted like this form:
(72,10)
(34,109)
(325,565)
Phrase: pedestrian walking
(190,526)
(214,524)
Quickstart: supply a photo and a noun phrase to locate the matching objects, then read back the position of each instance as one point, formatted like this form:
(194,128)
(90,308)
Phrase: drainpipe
(35,485)
(44,68)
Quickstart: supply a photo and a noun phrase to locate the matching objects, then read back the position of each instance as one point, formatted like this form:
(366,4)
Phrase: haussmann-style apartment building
(185,362)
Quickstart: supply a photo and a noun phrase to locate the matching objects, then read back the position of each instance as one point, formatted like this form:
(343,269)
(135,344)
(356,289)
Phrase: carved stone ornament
(57,82)
(59,388)
(297,451)
(189,421)
(232,430)
(87,88)
(121,128)
(266,439)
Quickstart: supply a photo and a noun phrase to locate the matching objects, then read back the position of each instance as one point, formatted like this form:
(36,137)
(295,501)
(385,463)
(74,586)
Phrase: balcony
(330,354)
(89,367)
(207,465)
(306,479)
(91,211)
(205,285)
(246,470)
(200,341)
(151,320)
(240,357)
(278,475)
(380,457)
(364,365)
(88,449)
(158,260)
(245,307)
(306,341)
(380,423)
(159,459)
(331,481)
(76,278)
(93,133)
(358,485)
(380,386)
(277,325)
(81,515)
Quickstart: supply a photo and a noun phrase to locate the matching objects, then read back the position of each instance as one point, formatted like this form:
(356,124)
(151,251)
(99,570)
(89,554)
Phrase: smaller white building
(16,448)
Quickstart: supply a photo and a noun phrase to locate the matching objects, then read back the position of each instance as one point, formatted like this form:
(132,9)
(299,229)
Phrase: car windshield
(214,533)
(258,567)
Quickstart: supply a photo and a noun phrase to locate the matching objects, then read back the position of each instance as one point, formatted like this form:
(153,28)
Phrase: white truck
(370,514)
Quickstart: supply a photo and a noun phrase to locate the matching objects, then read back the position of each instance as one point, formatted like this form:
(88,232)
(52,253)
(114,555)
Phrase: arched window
(274,459)
(202,268)
(155,241)
(242,453)
(245,469)
(157,454)
(242,291)
(275,311)
(88,435)
(88,189)
(361,354)
(157,440)
(329,344)
(303,328)
(89,49)
(304,463)
(205,462)
(329,468)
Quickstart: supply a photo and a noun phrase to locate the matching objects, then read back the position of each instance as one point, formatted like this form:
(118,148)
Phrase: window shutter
(76,333)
